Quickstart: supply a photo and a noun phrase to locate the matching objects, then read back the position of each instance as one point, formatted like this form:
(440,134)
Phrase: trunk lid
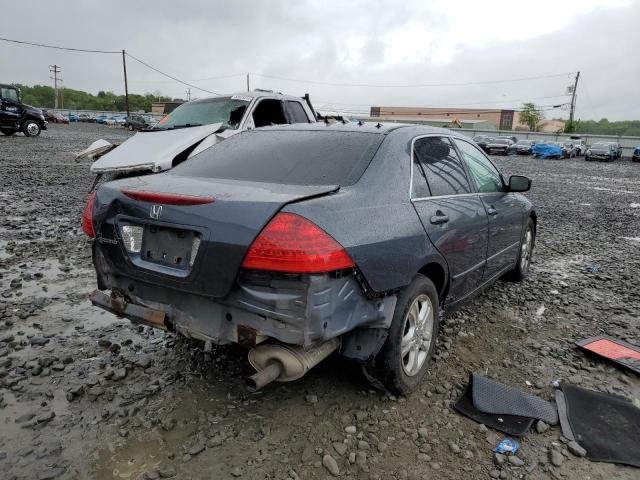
(152,150)
(224,228)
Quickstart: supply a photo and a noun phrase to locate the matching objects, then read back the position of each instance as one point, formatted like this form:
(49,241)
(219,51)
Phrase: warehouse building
(501,119)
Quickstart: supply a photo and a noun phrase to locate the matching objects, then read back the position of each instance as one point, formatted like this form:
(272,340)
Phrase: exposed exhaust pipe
(284,363)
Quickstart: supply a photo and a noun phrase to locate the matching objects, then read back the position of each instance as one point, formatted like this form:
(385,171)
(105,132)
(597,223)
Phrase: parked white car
(195,126)
(579,143)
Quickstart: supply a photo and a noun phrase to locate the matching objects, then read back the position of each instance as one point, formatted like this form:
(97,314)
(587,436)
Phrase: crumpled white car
(193,127)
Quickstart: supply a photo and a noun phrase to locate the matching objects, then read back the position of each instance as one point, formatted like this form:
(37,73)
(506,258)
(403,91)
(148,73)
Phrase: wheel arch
(439,275)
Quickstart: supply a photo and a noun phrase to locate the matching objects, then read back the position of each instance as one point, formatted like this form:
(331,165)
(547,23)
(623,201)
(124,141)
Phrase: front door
(504,211)
(10,108)
(452,215)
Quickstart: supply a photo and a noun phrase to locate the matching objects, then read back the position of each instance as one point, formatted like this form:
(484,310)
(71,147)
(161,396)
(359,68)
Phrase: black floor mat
(509,424)
(490,396)
(607,426)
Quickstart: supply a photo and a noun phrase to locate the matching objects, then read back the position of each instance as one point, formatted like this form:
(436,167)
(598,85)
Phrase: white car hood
(152,150)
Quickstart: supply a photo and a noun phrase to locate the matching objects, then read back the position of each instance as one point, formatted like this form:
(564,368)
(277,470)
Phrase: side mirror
(518,183)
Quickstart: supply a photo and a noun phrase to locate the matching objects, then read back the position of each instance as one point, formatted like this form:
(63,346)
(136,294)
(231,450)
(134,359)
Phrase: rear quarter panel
(375,220)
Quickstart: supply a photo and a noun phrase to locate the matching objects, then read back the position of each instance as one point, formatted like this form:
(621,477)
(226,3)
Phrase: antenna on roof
(360,123)
(379,125)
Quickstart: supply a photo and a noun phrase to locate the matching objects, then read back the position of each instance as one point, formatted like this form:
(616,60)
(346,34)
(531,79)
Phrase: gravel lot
(84,394)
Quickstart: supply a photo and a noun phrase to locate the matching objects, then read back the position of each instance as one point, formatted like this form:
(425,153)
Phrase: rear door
(452,214)
(503,209)
(296,112)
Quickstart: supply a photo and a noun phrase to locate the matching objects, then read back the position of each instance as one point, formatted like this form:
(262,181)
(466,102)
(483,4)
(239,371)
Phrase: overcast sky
(337,42)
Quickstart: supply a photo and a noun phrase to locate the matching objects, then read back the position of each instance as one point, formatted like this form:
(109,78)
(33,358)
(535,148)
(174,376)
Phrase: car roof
(407,129)
(5,85)
(256,94)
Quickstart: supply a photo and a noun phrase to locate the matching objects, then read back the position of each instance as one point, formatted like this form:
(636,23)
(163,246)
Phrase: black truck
(16,116)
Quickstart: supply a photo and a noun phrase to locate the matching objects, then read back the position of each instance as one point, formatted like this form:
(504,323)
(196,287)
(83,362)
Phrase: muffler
(284,363)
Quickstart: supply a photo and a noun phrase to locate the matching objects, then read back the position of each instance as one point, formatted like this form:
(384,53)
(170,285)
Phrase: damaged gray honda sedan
(299,241)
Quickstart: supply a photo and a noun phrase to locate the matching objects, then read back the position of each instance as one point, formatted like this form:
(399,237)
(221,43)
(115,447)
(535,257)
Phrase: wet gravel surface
(84,394)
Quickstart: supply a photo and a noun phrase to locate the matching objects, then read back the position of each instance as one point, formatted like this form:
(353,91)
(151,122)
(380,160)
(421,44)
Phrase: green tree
(531,116)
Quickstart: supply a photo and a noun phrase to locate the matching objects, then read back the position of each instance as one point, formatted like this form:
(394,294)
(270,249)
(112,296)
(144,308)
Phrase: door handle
(439,219)
(492,211)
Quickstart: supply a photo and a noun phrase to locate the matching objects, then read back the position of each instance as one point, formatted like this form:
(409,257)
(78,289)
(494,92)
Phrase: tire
(7,132)
(586,158)
(527,242)
(31,128)
(399,373)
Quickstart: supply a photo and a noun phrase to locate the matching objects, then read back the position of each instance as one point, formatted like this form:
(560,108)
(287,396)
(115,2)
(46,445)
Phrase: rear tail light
(294,244)
(132,237)
(87,216)
(167,198)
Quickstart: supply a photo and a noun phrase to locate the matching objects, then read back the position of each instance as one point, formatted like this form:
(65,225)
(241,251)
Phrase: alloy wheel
(417,335)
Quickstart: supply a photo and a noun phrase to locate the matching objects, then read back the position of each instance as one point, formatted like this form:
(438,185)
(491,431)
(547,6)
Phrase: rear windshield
(294,157)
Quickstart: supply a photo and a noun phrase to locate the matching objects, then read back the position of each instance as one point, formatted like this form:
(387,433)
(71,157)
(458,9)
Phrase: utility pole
(55,69)
(126,87)
(188,92)
(248,89)
(573,99)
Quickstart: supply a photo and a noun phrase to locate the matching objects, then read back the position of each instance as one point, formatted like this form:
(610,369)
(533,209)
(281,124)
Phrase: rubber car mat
(617,351)
(562,415)
(509,424)
(605,425)
(490,396)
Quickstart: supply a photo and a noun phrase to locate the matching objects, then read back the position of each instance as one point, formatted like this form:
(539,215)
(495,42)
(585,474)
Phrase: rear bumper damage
(300,310)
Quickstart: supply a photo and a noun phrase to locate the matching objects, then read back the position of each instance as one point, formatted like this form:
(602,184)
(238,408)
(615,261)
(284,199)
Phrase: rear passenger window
(296,112)
(435,160)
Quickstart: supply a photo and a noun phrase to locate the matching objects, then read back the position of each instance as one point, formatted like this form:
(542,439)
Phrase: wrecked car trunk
(150,150)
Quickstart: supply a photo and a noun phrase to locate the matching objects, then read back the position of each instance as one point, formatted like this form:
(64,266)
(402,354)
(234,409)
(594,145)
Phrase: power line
(170,76)
(416,85)
(56,47)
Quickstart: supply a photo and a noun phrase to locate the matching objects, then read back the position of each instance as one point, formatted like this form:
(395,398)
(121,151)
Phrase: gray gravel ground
(84,394)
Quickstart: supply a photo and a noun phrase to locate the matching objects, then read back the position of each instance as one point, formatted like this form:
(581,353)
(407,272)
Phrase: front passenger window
(482,171)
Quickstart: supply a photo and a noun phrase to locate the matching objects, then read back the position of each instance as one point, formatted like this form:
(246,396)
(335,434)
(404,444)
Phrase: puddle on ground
(129,458)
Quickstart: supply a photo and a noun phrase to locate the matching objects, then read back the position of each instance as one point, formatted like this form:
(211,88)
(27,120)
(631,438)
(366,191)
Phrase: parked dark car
(137,122)
(302,240)
(617,149)
(636,154)
(16,116)
(521,147)
(55,117)
(482,141)
(602,151)
(498,145)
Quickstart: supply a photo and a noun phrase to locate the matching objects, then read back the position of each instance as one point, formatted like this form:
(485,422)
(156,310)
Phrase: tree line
(42,96)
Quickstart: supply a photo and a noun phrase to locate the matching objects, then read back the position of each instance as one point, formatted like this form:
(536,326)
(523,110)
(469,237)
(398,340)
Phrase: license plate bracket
(169,247)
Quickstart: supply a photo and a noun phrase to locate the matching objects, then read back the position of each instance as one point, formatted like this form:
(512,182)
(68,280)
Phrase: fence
(94,113)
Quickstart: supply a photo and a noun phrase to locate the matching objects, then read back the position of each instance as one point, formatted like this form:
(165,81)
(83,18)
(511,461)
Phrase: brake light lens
(291,243)
(87,216)
(167,198)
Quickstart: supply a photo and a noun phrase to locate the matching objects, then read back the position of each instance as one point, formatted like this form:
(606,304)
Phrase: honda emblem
(155,212)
